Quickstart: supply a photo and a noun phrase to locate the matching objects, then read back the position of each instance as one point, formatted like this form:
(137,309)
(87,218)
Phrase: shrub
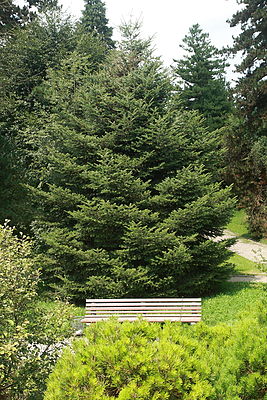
(130,361)
(30,335)
(146,361)
(243,372)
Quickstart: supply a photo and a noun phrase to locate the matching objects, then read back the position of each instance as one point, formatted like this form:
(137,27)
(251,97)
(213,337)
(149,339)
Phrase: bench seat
(153,310)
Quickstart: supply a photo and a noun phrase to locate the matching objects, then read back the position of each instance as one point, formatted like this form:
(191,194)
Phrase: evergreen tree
(125,208)
(25,57)
(94,21)
(201,74)
(27,54)
(247,144)
(12,15)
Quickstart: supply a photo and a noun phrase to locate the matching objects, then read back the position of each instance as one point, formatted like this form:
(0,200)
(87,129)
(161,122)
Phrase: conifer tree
(125,206)
(247,143)
(201,75)
(25,57)
(13,15)
(94,21)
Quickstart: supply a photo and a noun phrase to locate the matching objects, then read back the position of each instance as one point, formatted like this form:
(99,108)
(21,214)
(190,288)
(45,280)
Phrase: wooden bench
(153,310)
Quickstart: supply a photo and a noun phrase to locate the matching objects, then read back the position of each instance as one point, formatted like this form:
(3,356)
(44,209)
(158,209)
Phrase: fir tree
(201,74)
(94,21)
(125,208)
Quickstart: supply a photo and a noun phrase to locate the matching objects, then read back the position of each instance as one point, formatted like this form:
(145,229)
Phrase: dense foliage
(200,73)
(31,336)
(25,57)
(247,143)
(126,204)
(147,361)
(94,21)
(14,15)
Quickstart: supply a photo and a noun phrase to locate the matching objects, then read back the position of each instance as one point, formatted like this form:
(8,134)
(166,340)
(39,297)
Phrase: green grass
(243,265)
(49,306)
(239,226)
(235,299)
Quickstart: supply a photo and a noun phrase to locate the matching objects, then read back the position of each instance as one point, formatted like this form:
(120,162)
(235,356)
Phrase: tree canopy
(247,144)
(94,20)
(200,73)
(126,207)
(12,15)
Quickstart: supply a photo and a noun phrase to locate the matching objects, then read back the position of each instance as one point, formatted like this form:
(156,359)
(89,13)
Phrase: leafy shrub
(146,361)
(31,336)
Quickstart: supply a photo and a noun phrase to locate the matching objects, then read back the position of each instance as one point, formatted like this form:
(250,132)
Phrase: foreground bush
(31,335)
(131,360)
(146,361)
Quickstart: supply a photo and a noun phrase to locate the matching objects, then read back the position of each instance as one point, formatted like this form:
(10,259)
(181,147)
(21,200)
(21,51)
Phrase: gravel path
(262,278)
(251,250)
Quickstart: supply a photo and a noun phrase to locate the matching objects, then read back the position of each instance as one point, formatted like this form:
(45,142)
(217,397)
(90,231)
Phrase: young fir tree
(201,75)
(247,143)
(125,206)
(94,21)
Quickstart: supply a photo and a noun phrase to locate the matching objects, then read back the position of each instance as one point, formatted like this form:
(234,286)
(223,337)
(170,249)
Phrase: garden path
(246,248)
(262,278)
(251,250)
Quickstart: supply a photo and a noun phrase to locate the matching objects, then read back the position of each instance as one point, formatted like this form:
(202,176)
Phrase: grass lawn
(243,265)
(239,226)
(235,299)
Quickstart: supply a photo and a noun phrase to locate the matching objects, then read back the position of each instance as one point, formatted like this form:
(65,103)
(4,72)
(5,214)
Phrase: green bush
(148,361)
(31,335)
(240,367)
(131,360)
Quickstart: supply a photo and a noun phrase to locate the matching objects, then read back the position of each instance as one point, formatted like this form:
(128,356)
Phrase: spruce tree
(247,143)
(201,76)
(94,21)
(125,206)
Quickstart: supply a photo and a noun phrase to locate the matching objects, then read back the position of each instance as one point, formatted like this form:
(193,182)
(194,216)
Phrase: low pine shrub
(147,361)
(131,361)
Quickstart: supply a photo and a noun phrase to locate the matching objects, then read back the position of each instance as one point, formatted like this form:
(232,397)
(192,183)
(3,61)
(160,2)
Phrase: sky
(169,21)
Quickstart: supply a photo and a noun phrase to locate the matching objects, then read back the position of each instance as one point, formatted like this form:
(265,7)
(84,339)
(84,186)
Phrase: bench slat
(127,305)
(161,299)
(143,315)
(178,311)
(154,310)
(150,319)
(189,310)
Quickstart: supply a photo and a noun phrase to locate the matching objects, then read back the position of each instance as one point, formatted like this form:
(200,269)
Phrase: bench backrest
(154,310)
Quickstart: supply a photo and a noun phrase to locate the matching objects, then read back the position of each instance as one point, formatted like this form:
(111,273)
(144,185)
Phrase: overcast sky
(168,21)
